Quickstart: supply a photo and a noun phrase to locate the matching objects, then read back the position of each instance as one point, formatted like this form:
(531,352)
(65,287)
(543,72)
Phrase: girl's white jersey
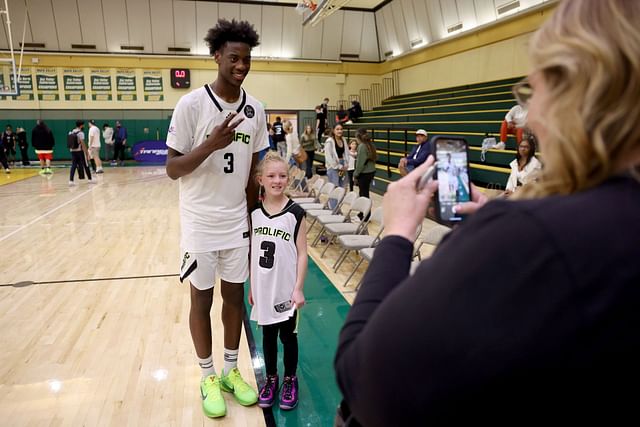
(213,205)
(274,262)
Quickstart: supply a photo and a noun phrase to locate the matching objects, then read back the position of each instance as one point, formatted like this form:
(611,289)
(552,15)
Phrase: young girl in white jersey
(278,269)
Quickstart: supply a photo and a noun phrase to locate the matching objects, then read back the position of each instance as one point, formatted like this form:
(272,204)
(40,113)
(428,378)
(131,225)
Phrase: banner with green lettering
(152,84)
(47,84)
(126,85)
(74,87)
(25,84)
(101,87)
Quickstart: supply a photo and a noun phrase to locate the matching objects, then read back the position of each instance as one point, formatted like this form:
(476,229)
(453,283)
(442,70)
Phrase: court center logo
(249,111)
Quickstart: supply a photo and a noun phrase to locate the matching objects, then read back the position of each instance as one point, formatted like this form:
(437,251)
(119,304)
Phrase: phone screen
(453,176)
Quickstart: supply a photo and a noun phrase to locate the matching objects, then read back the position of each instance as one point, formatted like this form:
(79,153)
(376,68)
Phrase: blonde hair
(271,156)
(588,54)
(287,126)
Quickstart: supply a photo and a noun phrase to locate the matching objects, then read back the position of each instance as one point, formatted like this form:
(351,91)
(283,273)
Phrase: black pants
(24,155)
(350,173)
(310,155)
(289,342)
(10,152)
(3,158)
(364,183)
(78,161)
(118,151)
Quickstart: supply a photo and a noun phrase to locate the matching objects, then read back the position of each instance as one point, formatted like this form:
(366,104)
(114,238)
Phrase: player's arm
(252,185)
(301,246)
(179,165)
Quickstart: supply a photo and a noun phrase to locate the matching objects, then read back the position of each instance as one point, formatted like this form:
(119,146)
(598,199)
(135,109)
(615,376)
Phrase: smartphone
(452,173)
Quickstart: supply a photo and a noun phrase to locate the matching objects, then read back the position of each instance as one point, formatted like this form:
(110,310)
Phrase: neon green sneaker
(212,401)
(233,383)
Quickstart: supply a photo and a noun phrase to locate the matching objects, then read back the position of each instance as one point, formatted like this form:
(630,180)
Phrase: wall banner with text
(74,87)
(101,88)
(47,84)
(126,85)
(152,84)
(25,84)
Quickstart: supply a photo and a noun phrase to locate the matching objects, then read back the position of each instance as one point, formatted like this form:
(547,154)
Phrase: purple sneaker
(289,395)
(268,392)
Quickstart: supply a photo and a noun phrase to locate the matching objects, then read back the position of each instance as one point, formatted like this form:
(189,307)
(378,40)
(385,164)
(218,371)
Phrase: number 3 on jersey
(267,258)
(229,166)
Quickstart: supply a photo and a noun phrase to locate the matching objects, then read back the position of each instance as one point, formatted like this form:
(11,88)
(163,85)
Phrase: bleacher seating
(470,111)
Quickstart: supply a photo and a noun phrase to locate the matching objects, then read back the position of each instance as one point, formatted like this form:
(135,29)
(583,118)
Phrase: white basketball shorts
(231,265)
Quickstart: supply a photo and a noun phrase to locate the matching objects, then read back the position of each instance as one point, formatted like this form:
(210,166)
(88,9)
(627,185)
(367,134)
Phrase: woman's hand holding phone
(478,199)
(404,206)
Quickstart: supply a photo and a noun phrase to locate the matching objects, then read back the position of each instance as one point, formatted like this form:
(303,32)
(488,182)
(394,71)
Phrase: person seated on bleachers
(341,116)
(524,167)
(514,123)
(355,112)
(418,155)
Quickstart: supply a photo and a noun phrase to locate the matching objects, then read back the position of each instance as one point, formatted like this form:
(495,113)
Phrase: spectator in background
(309,142)
(279,137)
(94,146)
(551,329)
(325,111)
(272,144)
(336,158)
(355,112)
(43,142)
(3,158)
(524,167)
(321,122)
(21,140)
(107,134)
(9,145)
(292,144)
(79,153)
(120,144)
(365,162)
(514,123)
(353,152)
(418,155)
(341,116)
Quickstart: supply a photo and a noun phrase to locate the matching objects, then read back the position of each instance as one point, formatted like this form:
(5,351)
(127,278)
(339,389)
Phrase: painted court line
(44,215)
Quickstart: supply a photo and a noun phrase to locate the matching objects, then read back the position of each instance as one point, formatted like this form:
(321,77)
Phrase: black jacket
(42,138)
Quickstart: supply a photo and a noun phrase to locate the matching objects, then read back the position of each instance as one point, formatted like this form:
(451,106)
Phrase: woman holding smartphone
(547,331)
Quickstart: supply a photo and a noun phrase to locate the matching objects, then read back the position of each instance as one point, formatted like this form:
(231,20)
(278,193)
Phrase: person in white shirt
(524,167)
(214,138)
(94,145)
(107,134)
(514,123)
(293,144)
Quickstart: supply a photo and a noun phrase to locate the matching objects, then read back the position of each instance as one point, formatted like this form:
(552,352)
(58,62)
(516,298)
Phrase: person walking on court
(120,144)
(79,153)
(214,138)
(43,142)
(9,145)
(279,137)
(94,145)
(21,142)
(278,270)
(107,135)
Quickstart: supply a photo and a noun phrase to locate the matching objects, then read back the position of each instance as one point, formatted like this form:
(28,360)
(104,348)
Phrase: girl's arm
(301,245)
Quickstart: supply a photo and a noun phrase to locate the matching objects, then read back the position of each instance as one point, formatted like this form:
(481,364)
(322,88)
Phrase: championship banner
(6,89)
(126,85)
(152,84)
(101,89)
(25,83)
(47,84)
(74,87)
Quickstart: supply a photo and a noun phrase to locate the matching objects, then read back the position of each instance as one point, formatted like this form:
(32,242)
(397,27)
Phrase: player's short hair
(231,31)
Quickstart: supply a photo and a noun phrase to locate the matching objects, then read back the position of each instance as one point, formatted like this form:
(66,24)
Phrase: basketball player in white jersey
(278,270)
(214,138)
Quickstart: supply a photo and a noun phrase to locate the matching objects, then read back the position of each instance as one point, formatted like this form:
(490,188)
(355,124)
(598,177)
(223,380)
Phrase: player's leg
(270,349)
(234,271)
(289,338)
(199,270)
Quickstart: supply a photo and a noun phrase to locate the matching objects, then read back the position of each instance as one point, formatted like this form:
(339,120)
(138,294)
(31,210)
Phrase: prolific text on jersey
(268,231)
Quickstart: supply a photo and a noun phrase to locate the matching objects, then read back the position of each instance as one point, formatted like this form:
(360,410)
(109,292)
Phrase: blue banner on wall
(150,152)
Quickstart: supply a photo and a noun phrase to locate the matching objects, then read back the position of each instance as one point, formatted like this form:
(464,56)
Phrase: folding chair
(313,214)
(339,229)
(362,205)
(355,242)
(325,190)
(309,189)
(336,195)
(296,182)
(433,236)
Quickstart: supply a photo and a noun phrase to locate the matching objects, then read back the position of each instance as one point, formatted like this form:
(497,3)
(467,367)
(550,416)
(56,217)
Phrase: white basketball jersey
(213,212)
(274,261)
